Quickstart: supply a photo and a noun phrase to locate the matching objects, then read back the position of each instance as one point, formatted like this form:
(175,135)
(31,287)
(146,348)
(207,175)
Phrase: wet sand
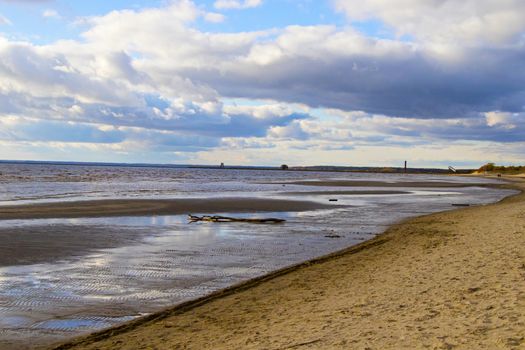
(48,243)
(452,280)
(343,193)
(51,243)
(137,207)
(417,184)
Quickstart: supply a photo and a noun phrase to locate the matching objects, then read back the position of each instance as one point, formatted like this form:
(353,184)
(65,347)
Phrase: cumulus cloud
(448,21)
(349,71)
(346,70)
(214,17)
(505,119)
(38,72)
(292,131)
(50,13)
(236,4)
(490,127)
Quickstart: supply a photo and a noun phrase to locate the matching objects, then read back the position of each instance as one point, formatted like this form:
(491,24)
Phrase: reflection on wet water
(76,324)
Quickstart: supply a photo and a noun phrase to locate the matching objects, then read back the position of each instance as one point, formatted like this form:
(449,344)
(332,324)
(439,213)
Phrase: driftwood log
(215,218)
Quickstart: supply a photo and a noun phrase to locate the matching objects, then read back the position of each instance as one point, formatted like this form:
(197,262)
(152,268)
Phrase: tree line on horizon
(493,168)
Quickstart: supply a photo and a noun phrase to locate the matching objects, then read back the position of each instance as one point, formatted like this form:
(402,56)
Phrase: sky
(264,82)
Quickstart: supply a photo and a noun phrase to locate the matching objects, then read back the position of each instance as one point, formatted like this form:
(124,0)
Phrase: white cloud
(266,110)
(444,21)
(117,65)
(503,119)
(50,13)
(214,17)
(41,73)
(236,4)
(292,131)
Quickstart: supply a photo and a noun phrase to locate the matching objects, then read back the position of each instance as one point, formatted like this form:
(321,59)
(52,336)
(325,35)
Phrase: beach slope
(452,280)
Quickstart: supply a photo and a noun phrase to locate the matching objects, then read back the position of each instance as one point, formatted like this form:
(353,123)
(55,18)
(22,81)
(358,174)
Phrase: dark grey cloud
(412,86)
(471,129)
(44,74)
(68,120)
(30,130)
(201,123)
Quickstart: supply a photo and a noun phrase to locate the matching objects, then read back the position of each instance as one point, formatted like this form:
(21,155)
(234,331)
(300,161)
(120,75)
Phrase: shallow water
(30,183)
(161,261)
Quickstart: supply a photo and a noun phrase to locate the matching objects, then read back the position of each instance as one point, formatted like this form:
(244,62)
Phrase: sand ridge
(396,184)
(146,207)
(452,280)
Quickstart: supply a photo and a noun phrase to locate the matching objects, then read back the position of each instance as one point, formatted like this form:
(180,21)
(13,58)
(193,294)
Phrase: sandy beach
(452,280)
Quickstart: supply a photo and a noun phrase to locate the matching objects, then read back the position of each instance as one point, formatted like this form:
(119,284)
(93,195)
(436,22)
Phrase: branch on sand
(215,218)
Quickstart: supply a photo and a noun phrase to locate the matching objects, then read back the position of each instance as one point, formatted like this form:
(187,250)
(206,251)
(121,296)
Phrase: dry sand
(453,280)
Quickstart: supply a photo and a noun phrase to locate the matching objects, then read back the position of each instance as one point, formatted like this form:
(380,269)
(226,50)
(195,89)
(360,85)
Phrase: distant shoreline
(320,168)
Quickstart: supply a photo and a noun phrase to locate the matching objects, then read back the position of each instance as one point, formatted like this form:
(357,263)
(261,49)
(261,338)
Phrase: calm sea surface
(160,261)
